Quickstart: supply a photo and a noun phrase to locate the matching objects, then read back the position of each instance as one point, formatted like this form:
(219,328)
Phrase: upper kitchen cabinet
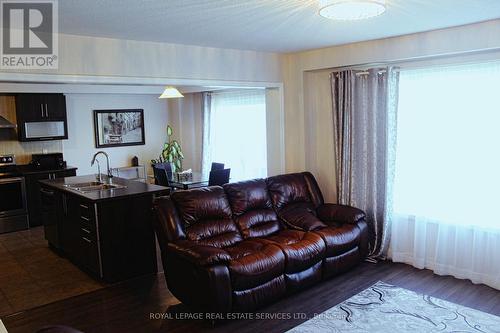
(41,117)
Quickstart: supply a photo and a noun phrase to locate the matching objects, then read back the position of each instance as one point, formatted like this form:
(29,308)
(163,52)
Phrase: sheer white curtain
(235,132)
(447,172)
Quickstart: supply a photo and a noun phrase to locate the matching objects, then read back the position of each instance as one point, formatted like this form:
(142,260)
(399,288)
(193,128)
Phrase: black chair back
(219,177)
(217,166)
(162,172)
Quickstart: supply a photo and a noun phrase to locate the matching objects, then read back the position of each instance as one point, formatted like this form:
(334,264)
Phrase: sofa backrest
(167,222)
(252,208)
(222,217)
(294,188)
(206,216)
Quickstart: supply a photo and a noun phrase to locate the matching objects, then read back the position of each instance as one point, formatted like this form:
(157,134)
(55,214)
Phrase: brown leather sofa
(241,246)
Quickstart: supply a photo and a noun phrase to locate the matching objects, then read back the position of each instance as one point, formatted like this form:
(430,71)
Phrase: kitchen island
(105,228)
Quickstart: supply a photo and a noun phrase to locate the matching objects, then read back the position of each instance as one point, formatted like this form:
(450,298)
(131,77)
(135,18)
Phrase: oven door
(13,197)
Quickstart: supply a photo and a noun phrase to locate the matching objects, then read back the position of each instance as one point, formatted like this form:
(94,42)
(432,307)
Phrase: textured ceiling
(264,25)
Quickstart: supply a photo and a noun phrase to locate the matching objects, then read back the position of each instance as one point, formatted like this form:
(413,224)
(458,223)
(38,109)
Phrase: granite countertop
(27,169)
(133,188)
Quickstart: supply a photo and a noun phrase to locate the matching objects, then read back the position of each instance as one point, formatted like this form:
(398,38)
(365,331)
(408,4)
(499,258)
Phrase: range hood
(4,123)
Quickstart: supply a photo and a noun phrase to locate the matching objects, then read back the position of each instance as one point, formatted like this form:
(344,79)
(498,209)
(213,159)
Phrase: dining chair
(217,166)
(162,173)
(219,177)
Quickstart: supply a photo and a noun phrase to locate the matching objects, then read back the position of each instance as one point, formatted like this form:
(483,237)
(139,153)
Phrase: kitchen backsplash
(8,137)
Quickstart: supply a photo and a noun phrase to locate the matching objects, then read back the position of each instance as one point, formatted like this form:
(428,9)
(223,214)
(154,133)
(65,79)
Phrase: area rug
(387,308)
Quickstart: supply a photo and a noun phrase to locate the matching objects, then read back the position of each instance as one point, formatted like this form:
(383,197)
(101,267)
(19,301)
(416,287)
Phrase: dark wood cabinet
(79,234)
(112,240)
(41,117)
(70,228)
(55,106)
(51,214)
(33,192)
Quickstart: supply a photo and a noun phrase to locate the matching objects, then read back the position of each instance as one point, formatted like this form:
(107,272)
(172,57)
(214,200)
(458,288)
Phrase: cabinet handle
(85,218)
(86,231)
(87,240)
(84,206)
(46,110)
(44,191)
(41,109)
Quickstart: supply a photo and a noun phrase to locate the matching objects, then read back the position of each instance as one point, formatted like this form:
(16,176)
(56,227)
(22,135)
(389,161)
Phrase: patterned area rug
(387,308)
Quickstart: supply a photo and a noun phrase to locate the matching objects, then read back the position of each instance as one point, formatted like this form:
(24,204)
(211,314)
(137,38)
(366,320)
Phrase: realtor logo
(29,34)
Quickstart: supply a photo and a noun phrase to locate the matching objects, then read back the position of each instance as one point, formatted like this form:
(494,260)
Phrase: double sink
(93,187)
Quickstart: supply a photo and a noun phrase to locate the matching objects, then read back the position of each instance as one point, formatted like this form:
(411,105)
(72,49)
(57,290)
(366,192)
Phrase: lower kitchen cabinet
(33,191)
(51,203)
(111,240)
(79,233)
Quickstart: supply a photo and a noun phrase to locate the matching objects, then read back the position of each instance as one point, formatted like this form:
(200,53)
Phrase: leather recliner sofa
(241,246)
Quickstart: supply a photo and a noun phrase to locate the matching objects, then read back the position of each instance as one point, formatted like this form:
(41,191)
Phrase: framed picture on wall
(116,128)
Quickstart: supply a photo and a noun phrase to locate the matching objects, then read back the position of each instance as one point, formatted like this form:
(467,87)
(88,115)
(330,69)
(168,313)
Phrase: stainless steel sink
(93,187)
(78,185)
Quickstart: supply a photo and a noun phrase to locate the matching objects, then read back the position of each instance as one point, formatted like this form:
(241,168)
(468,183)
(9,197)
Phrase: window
(448,150)
(236,126)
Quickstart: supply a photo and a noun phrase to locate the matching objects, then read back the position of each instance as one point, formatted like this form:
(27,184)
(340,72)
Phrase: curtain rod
(363,66)
(379,72)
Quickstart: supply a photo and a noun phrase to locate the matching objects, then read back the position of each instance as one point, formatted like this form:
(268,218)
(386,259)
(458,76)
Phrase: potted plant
(171,153)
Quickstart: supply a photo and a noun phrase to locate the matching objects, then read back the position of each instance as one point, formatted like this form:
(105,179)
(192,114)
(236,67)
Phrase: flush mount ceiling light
(171,92)
(351,9)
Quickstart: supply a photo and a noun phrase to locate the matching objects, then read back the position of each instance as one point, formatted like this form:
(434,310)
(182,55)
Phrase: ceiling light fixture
(171,92)
(351,9)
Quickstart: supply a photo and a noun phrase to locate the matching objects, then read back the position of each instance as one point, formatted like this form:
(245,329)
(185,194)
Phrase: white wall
(308,129)
(80,146)
(93,56)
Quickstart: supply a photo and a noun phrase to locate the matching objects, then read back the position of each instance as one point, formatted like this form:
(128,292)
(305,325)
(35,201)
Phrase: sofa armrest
(339,213)
(201,255)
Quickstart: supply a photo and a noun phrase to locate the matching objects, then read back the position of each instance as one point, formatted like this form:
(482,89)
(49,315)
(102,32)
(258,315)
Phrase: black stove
(8,167)
(13,206)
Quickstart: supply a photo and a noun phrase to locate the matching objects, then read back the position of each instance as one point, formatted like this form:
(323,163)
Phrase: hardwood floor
(127,307)
(32,275)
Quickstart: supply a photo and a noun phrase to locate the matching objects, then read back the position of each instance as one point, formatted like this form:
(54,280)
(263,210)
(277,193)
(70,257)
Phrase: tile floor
(32,275)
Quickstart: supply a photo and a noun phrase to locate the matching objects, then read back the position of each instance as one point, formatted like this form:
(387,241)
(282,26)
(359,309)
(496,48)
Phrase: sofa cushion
(340,238)
(302,249)
(247,195)
(288,189)
(295,197)
(252,208)
(254,263)
(206,215)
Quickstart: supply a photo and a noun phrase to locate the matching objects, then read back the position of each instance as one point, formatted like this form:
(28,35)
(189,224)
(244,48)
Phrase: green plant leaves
(172,151)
